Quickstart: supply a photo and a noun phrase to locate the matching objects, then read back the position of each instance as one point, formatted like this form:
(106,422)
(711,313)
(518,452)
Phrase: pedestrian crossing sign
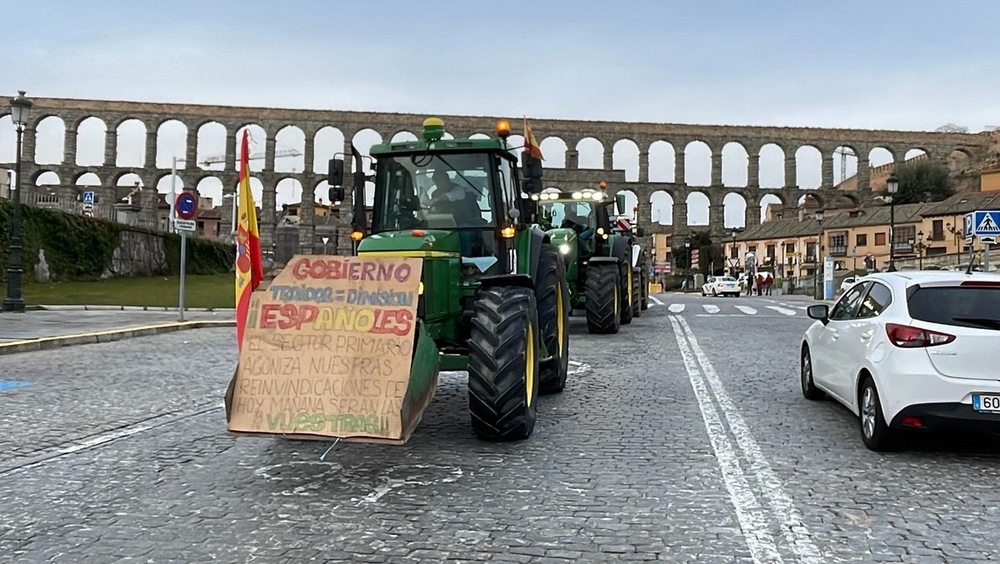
(987,223)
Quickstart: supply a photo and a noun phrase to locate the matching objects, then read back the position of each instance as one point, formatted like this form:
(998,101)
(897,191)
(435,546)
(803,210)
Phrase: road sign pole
(173,192)
(986,257)
(180,293)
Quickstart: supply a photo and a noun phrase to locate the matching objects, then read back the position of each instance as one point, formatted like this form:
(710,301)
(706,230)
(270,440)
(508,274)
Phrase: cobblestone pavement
(663,446)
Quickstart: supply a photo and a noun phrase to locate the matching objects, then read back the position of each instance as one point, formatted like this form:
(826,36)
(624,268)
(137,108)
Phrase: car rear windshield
(977,307)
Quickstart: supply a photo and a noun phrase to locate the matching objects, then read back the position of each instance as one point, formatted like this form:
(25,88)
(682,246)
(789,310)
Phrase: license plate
(986,404)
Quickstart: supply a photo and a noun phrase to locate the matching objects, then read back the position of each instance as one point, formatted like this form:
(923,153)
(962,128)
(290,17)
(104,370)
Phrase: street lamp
(919,247)
(734,254)
(20,108)
(819,246)
(891,186)
(687,245)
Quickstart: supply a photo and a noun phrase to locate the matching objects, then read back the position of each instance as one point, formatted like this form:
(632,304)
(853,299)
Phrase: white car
(721,286)
(909,351)
(848,282)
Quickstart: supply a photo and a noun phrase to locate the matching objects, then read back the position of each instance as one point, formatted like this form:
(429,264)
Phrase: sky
(912,65)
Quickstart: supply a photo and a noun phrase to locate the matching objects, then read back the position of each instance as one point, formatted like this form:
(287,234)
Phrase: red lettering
(395,321)
(403,272)
(267,312)
(353,269)
(368,272)
(288,316)
(307,314)
(300,269)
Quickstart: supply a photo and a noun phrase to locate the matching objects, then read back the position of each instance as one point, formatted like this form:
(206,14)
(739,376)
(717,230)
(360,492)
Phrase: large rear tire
(603,298)
(636,293)
(627,297)
(552,297)
(503,363)
(644,284)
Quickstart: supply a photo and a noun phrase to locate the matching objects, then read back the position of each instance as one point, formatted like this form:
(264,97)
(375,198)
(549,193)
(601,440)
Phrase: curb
(47,343)
(126,308)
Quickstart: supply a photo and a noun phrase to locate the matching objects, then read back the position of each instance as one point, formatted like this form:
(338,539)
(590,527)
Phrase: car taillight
(907,337)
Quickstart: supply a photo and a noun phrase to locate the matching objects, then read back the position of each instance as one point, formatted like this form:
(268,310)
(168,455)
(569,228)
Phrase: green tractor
(494,298)
(604,263)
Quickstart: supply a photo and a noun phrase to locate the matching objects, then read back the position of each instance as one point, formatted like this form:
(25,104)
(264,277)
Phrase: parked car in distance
(909,351)
(848,282)
(721,286)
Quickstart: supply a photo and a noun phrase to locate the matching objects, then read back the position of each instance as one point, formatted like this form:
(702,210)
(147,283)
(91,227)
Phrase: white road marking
(782,310)
(656,300)
(710,308)
(577,368)
(796,533)
(676,308)
(749,512)
(747,309)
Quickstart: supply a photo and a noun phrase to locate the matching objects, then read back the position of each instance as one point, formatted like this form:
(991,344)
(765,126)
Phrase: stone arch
(403,136)
(321,193)
(734,207)
(811,202)
(130,144)
(290,137)
(735,165)
(327,142)
(126,178)
(697,166)
(631,201)
(915,153)
(91,136)
(50,141)
(211,145)
(766,201)
(625,156)
(514,142)
(363,141)
(171,141)
(554,150)
(210,187)
(846,200)
(697,208)
(959,161)
(87,179)
(771,166)
(845,166)
(163,184)
(808,167)
(128,187)
(8,140)
(879,156)
(257,144)
(661,208)
(591,152)
(482,136)
(256,190)
(288,191)
(662,159)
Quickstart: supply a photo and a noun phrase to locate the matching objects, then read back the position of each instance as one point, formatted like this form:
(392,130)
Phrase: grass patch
(205,291)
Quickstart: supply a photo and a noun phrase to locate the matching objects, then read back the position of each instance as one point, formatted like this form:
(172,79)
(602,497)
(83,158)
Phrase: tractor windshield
(450,191)
(574,214)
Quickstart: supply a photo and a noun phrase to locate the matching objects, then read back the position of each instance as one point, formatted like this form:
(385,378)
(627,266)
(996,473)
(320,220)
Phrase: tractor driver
(579,224)
(460,202)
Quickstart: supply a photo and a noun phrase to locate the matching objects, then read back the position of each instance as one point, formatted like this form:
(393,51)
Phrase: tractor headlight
(564,249)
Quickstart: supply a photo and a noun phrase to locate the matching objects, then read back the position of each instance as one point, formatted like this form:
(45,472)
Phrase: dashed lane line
(795,532)
(746,309)
(782,310)
(676,308)
(656,300)
(709,308)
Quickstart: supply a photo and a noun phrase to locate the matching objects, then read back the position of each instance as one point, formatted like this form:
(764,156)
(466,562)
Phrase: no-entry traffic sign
(187,205)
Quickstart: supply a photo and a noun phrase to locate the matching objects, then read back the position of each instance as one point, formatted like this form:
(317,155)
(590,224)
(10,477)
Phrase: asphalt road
(684,438)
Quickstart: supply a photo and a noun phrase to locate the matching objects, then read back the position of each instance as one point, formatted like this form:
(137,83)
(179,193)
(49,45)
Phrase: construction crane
(844,152)
(253,157)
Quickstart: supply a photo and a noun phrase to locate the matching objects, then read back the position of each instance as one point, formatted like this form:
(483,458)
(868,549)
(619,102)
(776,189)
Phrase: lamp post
(20,108)
(819,246)
(891,186)
(958,249)
(919,247)
(687,246)
(734,254)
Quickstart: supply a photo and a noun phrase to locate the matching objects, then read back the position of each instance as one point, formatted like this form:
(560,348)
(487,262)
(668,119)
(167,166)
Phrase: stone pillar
(307,221)
(110,148)
(309,157)
(643,166)
(753,171)
(191,152)
(716,169)
(345,246)
(753,214)
(864,175)
(231,155)
(716,217)
(69,149)
(572,159)
(681,217)
(269,154)
(790,180)
(679,169)
(149,161)
(644,216)
(267,214)
(827,171)
(609,158)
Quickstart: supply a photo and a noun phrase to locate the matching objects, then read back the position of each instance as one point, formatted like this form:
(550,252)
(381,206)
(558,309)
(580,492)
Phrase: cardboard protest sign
(327,351)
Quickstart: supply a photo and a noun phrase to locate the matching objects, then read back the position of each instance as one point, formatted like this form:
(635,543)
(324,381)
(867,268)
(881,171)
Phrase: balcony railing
(902,247)
(838,251)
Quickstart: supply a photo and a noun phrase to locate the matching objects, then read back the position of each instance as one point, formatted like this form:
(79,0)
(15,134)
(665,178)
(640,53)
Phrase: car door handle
(867,336)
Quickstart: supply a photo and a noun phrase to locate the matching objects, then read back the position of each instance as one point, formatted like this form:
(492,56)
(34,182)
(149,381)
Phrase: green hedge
(80,248)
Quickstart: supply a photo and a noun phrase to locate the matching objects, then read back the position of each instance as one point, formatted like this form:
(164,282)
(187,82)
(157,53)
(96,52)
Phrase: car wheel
(876,435)
(809,389)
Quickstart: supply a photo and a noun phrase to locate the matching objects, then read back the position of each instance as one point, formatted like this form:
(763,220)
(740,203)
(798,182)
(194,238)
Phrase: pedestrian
(768,281)
(760,284)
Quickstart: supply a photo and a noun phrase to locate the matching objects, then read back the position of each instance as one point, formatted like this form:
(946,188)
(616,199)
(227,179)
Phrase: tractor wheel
(627,297)
(636,293)
(503,363)
(552,297)
(645,289)
(603,300)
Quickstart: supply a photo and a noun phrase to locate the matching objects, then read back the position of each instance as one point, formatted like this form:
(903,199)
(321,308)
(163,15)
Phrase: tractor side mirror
(532,172)
(335,175)
(620,204)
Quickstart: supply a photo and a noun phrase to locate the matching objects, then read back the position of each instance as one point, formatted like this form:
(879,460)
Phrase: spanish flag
(249,261)
(530,143)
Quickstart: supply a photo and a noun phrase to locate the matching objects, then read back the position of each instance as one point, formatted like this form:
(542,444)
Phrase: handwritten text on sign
(327,348)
